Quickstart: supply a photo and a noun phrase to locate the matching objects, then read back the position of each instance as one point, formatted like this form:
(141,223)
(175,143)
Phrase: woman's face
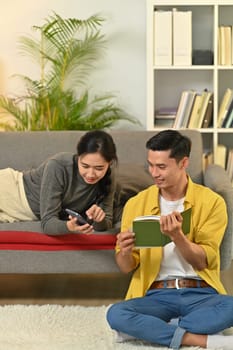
(92,167)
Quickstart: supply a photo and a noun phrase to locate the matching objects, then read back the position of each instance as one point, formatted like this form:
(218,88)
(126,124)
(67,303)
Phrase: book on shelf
(148,233)
(165,117)
(224,106)
(162,38)
(181,108)
(184,108)
(182,38)
(166,112)
(226,123)
(228,49)
(207,159)
(194,112)
(225,45)
(208,114)
(232,44)
(188,109)
(220,155)
(206,96)
(165,121)
(200,109)
(230,121)
(229,165)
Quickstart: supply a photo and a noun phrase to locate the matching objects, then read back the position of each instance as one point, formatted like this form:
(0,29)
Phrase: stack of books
(172,38)
(165,117)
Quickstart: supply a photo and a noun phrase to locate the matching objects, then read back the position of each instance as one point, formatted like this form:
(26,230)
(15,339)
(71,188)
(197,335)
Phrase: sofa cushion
(131,178)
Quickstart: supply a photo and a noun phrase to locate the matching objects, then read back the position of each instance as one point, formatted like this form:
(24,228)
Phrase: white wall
(123,69)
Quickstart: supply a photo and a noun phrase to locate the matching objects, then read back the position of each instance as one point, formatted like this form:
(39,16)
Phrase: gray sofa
(22,150)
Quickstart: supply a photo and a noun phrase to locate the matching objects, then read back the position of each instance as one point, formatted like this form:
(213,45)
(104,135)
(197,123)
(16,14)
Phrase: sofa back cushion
(23,150)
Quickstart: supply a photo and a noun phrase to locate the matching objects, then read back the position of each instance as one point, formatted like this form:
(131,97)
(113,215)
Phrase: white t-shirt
(173,265)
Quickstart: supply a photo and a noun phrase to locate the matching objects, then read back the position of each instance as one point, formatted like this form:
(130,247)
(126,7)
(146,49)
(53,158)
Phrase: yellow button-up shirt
(208,224)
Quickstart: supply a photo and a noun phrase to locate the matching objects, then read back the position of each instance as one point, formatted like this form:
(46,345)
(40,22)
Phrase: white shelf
(166,83)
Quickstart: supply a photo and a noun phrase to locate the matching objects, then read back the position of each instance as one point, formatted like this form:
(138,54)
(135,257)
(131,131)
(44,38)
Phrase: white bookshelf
(166,83)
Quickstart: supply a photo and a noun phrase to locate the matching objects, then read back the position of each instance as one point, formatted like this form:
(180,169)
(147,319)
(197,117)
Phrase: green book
(147,230)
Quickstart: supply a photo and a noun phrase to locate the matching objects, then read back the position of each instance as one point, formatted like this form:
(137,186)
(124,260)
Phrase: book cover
(188,109)
(229,121)
(208,116)
(229,166)
(147,230)
(219,46)
(182,38)
(231,44)
(228,115)
(207,159)
(220,156)
(208,97)
(224,106)
(165,121)
(227,35)
(197,117)
(181,108)
(163,38)
(224,45)
(193,116)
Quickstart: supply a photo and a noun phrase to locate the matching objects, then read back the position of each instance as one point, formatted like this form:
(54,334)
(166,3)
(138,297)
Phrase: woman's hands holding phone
(78,224)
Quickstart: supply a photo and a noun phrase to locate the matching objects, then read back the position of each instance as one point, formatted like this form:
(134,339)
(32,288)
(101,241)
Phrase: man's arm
(193,253)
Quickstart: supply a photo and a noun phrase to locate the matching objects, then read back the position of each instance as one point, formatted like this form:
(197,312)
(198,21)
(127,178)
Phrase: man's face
(166,172)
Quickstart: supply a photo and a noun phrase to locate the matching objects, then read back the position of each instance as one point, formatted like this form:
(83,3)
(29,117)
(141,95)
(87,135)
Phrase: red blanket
(24,240)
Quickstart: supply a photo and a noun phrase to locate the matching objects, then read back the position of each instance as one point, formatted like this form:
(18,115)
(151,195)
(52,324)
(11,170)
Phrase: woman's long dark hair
(101,142)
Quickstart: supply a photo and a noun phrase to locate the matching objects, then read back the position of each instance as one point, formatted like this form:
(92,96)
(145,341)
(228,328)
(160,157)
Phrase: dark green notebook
(147,230)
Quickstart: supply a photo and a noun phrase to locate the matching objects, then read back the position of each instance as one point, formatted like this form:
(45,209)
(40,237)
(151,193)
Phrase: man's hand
(125,240)
(171,224)
(194,254)
(124,258)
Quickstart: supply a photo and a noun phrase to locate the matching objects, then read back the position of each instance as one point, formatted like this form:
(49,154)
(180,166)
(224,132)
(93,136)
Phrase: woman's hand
(73,226)
(95,213)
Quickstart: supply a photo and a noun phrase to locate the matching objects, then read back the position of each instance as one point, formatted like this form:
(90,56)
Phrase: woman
(83,182)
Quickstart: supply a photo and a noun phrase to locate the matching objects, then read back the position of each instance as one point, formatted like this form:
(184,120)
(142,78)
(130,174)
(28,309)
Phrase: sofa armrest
(216,178)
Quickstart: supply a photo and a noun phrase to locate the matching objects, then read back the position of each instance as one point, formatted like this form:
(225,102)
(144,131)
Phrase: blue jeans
(198,310)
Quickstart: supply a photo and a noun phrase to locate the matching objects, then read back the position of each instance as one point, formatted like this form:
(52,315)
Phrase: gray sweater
(56,185)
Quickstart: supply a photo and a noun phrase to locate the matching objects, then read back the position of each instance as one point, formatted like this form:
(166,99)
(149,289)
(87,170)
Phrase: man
(181,280)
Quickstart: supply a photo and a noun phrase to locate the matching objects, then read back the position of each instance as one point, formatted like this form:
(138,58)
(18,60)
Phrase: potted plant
(66,52)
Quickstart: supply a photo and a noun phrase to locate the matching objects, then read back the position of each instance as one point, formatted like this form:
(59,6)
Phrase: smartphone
(79,217)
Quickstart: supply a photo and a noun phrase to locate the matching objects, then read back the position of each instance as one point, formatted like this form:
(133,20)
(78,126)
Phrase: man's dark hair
(173,140)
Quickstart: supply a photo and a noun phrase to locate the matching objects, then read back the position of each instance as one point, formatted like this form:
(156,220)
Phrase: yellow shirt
(208,223)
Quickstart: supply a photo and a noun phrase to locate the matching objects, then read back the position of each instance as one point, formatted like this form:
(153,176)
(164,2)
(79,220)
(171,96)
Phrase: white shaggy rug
(56,327)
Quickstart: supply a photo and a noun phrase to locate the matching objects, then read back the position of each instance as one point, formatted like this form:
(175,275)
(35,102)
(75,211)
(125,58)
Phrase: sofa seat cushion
(25,240)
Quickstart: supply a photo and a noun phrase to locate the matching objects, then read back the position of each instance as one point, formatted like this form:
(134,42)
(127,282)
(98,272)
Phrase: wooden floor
(63,289)
(88,290)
